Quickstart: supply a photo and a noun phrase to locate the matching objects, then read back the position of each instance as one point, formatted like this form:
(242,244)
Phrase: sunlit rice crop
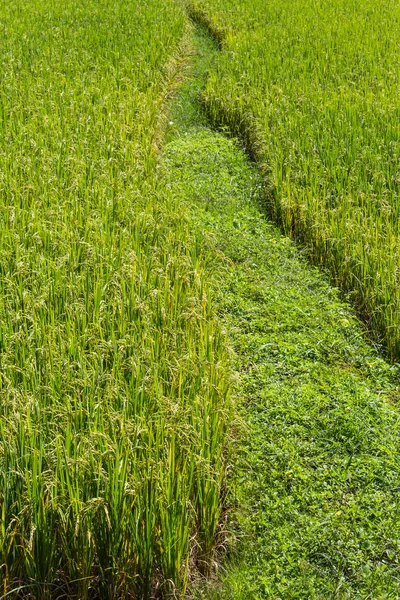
(313,87)
(114,378)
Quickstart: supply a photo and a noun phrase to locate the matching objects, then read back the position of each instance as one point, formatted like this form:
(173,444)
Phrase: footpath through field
(315,477)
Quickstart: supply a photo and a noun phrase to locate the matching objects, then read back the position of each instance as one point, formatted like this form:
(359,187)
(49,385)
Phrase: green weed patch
(312,496)
(314,475)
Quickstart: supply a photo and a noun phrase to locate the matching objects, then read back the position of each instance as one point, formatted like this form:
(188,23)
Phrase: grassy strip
(320,112)
(315,477)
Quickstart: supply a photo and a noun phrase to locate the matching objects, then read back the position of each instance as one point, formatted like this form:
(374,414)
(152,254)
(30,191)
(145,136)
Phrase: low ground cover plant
(314,465)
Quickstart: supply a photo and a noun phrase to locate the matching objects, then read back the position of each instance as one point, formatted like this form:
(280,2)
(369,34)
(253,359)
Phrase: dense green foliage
(113,385)
(313,88)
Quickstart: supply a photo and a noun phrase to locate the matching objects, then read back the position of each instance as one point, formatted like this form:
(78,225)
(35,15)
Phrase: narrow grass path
(315,478)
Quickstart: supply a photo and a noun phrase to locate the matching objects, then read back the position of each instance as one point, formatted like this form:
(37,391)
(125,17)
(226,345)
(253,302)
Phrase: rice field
(114,376)
(116,407)
(313,88)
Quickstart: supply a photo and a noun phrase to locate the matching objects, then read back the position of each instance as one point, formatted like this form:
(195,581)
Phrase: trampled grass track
(313,88)
(313,486)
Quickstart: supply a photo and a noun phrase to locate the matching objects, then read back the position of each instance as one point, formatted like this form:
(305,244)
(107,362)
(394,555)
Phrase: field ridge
(313,480)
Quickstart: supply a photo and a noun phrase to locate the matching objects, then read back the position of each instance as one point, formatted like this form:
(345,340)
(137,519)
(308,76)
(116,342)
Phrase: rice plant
(313,89)
(114,376)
